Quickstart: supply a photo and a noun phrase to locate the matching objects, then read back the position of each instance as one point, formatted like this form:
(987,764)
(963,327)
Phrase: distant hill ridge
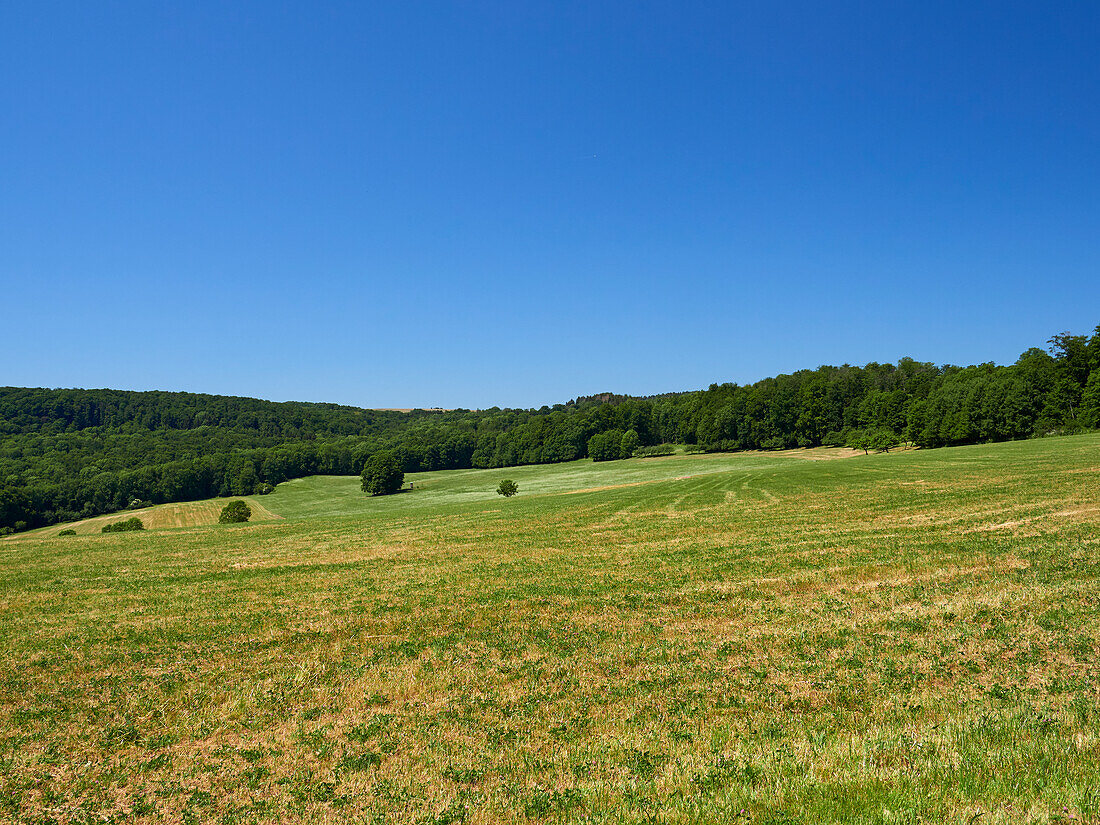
(77,453)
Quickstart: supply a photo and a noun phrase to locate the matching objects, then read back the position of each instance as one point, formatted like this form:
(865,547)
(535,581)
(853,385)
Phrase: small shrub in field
(654,451)
(126,526)
(264,489)
(725,445)
(507,488)
(235,512)
(67,533)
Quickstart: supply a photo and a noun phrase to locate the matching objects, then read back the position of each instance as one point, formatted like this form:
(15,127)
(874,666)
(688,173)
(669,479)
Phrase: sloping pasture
(895,638)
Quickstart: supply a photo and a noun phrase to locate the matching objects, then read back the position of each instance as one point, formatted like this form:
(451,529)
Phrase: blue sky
(476,204)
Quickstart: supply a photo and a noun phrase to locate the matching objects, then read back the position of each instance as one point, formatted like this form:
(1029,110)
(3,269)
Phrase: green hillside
(68,454)
(905,637)
(335,496)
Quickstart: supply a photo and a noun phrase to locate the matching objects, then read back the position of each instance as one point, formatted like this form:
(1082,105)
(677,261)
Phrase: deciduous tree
(382,474)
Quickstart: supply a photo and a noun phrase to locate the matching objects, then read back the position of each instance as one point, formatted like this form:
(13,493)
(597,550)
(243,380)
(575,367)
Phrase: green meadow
(809,636)
(337,496)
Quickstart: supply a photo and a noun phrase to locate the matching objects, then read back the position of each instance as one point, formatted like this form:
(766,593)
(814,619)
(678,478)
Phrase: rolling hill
(904,637)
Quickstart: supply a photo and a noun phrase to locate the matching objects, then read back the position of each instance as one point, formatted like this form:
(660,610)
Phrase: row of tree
(67,454)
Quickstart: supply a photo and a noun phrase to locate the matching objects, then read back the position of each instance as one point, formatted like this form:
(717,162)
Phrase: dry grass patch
(159,516)
(813,656)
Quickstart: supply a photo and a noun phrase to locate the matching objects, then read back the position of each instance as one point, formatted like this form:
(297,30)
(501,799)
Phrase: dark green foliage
(67,533)
(1090,401)
(882,439)
(879,439)
(382,474)
(858,440)
(235,512)
(125,526)
(507,488)
(15,507)
(69,454)
(606,446)
(654,451)
(629,443)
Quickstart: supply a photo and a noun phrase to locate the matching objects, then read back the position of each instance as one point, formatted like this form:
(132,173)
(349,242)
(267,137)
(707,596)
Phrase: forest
(73,453)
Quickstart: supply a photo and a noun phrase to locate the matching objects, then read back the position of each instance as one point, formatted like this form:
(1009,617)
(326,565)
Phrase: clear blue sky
(476,204)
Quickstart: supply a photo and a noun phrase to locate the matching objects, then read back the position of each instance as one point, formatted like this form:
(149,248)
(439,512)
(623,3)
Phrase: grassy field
(157,517)
(335,496)
(907,638)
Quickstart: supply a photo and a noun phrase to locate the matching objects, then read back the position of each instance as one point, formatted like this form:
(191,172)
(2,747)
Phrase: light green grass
(337,496)
(895,638)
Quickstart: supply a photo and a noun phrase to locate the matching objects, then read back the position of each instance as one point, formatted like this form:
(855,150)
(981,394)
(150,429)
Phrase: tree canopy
(70,454)
(382,474)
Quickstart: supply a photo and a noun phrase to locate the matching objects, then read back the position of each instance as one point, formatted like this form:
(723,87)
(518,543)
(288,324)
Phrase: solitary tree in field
(382,474)
(508,488)
(235,512)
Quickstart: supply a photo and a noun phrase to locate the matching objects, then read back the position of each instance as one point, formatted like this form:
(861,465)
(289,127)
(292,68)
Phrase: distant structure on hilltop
(410,409)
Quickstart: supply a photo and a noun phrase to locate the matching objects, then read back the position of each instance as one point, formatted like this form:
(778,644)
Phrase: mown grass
(895,638)
(336,496)
(156,517)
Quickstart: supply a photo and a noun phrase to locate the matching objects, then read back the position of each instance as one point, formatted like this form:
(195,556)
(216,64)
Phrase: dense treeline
(67,454)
